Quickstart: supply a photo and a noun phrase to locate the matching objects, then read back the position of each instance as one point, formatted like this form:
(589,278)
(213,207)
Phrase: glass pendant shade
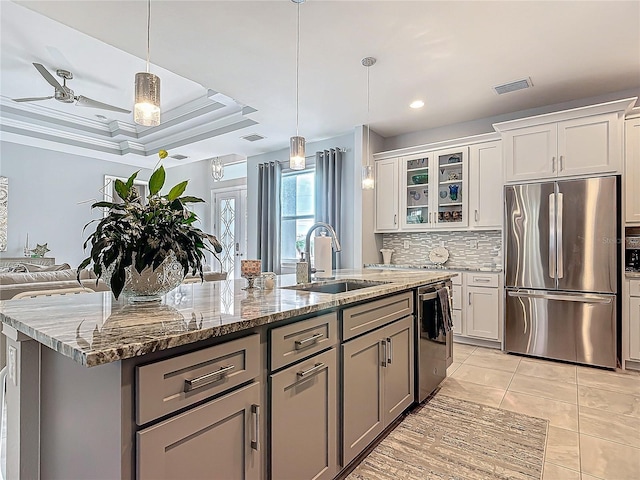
(217,169)
(146,110)
(367,177)
(296,153)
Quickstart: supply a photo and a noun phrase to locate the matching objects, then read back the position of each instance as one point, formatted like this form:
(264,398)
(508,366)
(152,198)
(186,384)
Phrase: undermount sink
(339,286)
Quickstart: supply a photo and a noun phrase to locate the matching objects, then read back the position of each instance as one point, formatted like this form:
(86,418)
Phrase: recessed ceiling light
(417,104)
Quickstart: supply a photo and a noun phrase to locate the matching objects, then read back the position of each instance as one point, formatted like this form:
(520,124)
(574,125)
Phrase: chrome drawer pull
(315,369)
(482,280)
(384,353)
(206,379)
(390,351)
(255,411)
(312,339)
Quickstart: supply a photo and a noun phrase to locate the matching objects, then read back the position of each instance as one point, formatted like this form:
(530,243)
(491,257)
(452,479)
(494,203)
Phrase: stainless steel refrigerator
(561,247)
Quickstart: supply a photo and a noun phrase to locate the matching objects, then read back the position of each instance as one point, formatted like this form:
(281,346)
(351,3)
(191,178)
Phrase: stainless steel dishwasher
(434,349)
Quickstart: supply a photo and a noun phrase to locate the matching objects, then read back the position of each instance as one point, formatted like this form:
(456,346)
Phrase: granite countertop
(488,268)
(95,329)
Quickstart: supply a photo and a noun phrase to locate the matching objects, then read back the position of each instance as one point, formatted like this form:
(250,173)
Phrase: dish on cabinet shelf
(439,255)
(420,179)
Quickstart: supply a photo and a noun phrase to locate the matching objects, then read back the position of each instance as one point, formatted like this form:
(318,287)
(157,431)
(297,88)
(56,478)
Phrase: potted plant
(145,249)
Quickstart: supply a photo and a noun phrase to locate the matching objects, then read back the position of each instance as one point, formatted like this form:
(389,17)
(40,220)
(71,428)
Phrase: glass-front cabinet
(434,190)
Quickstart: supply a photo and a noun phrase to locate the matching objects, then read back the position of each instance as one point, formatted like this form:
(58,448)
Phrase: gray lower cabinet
(219,439)
(304,420)
(378,383)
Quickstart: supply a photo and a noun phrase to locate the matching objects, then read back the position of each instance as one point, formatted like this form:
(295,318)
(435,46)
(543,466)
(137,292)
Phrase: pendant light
(296,148)
(217,169)
(146,110)
(368,181)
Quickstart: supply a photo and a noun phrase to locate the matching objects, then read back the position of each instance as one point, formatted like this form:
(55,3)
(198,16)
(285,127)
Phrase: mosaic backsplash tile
(459,244)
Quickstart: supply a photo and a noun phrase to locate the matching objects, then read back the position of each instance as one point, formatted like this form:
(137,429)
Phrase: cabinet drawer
(482,280)
(457,280)
(301,339)
(371,315)
(634,288)
(457,297)
(169,385)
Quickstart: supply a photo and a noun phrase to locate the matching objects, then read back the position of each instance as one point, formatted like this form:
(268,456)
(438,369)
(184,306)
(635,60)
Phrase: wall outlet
(473,244)
(12,365)
(406,244)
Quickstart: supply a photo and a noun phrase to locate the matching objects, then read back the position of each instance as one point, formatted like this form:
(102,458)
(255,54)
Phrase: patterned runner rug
(453,439)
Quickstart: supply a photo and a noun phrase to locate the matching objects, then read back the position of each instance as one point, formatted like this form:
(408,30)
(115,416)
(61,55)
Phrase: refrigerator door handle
(552,235)
(560,272)
(586,298)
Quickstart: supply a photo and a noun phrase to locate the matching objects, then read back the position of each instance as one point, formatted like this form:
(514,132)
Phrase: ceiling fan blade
(82,101)
(48,77)
(31,99)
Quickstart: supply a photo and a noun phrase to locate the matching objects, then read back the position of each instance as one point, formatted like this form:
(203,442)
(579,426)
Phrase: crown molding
(205,117)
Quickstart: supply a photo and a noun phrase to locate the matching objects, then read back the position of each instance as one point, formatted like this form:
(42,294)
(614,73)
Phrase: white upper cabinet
(386,194)
(433,190)
(485,185)
(530,152)
(632,170)
(583,141)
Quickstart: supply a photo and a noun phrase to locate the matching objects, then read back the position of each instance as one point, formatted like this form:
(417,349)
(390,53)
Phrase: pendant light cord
(297,68)
(148,32)
(368,126)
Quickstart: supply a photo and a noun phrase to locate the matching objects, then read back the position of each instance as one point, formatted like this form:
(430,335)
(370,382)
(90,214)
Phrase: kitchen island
(90,394)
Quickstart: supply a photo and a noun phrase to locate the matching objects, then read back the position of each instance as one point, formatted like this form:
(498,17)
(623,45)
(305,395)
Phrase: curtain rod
(340,149)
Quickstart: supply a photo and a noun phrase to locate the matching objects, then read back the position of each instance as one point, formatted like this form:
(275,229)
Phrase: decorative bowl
(420,178)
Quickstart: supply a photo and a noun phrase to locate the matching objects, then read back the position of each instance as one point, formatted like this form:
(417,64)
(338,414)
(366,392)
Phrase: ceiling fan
(64,94)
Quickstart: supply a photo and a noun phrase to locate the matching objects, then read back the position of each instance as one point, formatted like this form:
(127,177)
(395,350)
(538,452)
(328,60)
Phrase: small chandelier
(217,169)
(296,150)
(146,110)
(368,181)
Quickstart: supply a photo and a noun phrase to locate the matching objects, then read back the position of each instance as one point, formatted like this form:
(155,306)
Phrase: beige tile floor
(594,414)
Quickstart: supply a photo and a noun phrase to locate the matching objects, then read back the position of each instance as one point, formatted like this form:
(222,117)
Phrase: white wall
(350,218)
(485,125)
(45,188)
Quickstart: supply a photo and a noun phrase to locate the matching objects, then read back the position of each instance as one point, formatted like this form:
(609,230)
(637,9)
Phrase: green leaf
(188,199)
(178,190)
(131,179)
(157,180)
(121,189)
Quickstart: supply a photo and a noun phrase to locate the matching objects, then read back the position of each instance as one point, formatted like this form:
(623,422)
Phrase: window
(297,203)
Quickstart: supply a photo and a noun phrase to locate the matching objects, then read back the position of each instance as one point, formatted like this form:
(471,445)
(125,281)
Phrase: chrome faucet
(335,243)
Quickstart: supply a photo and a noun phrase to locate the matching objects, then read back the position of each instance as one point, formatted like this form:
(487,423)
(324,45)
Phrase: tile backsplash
(459,244)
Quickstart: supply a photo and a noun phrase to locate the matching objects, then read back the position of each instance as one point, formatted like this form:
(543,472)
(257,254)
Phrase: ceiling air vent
(254,137)
(513,86)
(177,156)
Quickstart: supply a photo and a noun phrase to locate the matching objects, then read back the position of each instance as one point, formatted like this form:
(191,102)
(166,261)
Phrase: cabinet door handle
(430,214)
(469,298)
(255,412)
(553,164)
(561,163)
(384,353)
(390,352)
(315,369)
(476,216)
(206,379)
(310,340)
(395,219)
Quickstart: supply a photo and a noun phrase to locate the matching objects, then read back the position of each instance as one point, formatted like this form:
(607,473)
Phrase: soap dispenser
(302,270)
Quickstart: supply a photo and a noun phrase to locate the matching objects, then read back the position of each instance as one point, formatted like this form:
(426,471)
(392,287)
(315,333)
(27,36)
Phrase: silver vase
(149,285)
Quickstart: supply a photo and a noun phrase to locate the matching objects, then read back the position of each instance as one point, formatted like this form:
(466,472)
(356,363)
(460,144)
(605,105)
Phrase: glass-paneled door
(230,226)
